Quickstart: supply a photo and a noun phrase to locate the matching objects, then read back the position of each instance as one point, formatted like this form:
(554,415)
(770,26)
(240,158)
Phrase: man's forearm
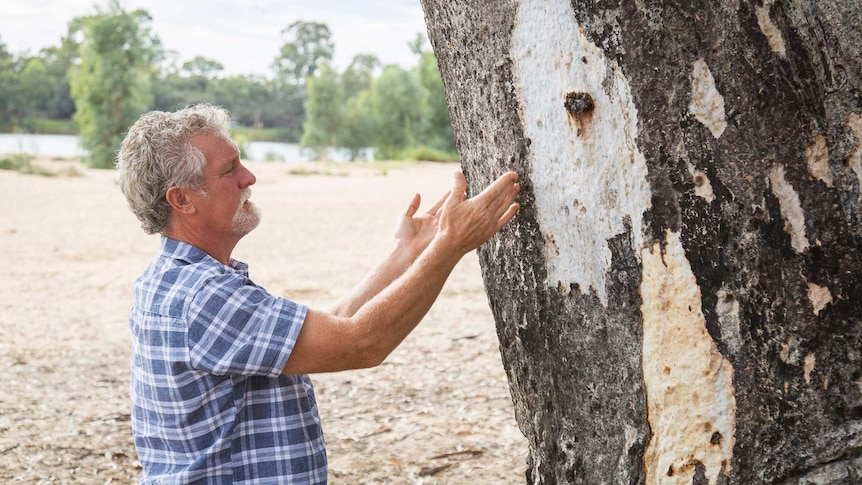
(330,342)
(388,317)
(383,274)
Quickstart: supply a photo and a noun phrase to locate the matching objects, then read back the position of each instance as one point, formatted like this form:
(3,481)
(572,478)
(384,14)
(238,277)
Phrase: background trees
(307,44)
(396,104)
(8,83)
(109,67)
(110,86)
(324,112)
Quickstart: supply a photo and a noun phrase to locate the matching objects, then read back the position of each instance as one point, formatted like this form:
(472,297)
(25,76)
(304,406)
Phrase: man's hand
(464,223)
(392,300)
(413,232)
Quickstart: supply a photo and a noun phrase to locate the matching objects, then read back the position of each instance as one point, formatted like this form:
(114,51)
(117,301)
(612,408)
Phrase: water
(43,145)
(267,150)
(270,150)
(67,146)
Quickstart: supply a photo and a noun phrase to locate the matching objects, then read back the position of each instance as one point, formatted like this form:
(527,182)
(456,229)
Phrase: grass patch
(22,163)
(428,154)
(343,169)
(302,171)
(384,166)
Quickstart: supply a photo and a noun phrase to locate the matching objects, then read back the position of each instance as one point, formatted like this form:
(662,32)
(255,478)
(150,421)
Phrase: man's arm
(330,343)
(412,235)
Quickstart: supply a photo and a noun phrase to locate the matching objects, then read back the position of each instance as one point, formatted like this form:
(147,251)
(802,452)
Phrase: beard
(247,215)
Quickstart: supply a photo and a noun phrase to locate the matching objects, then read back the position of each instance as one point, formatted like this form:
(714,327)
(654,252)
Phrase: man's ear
(180,201)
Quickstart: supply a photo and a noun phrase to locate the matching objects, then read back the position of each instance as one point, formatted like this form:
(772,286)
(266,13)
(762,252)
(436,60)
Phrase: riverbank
(437,411)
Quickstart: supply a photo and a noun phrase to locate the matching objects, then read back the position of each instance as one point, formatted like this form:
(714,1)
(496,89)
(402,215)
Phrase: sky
(243,35)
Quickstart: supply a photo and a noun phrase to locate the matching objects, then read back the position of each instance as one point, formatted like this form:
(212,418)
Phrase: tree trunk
(679,299)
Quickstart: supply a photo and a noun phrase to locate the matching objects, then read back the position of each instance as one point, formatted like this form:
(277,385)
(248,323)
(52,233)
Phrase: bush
(427,154)
(262,134)
(46,126)
(22,164)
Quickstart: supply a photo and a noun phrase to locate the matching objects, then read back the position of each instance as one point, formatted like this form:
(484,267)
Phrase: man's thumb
(459,188)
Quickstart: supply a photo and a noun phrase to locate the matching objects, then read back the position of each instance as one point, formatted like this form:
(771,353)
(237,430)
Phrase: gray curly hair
(157,155)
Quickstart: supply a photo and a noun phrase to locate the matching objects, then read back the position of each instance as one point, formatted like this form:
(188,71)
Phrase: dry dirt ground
(437,411)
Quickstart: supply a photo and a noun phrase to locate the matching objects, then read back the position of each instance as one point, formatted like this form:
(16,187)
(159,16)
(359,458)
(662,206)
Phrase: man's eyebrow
(229,163)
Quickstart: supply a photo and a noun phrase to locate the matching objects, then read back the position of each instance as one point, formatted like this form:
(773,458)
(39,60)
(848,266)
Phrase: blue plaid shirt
(209,403)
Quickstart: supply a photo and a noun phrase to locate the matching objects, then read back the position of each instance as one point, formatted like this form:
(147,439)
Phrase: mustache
(244,196)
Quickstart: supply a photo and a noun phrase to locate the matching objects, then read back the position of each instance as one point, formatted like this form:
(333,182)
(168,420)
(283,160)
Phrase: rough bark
(679,299)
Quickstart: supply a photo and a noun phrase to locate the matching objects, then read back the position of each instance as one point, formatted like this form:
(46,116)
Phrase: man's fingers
(414,206)
(505,200)
(499,188)
(508,215)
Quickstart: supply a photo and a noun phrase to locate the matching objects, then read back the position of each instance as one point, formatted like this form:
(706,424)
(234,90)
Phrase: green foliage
(323,112)
(359,74)
(396,102)
(259,134)
(35,82)
(26,89)
(50,126)
(110,86)
(436,130)
(307,44)
(8,83)
(428,154)
(249,99)
(393,112)
(115,69)
(360,125)
(177,86)
(22,163)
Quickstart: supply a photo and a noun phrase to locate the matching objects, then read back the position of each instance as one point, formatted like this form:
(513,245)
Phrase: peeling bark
(692,201)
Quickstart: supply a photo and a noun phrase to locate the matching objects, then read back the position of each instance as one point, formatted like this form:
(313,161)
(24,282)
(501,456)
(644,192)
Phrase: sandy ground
(437,411)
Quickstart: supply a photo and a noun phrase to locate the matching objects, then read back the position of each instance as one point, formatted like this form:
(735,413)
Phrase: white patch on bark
(727,309)
(791,209)
(702,185)
(589,177)
(689,385)
(707,104)
(808,366)
(772,33)
(817,156)
(820,296)
(854,121)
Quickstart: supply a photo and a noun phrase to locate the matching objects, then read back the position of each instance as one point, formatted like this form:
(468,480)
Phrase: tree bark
(679,299)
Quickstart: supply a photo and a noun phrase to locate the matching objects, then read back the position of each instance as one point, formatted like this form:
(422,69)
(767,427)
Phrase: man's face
(223,202)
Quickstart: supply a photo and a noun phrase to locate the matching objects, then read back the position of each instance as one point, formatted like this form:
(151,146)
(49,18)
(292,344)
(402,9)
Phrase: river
(67,146)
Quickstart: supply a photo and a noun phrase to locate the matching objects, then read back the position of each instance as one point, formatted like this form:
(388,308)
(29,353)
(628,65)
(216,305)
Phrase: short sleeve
(237,328)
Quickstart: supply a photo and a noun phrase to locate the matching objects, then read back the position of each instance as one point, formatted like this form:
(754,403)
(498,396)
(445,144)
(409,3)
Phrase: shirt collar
(183,251)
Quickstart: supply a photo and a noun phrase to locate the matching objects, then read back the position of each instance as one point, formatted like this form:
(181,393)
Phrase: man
(219,375)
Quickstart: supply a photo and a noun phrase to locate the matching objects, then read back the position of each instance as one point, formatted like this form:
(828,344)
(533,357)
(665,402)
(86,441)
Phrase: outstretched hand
(466,223)
(416,232)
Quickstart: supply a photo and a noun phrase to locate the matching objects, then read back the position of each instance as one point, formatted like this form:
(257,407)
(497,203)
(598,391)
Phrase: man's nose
(249,178)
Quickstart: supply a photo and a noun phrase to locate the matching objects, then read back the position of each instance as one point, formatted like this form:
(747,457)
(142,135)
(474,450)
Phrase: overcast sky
(244,35)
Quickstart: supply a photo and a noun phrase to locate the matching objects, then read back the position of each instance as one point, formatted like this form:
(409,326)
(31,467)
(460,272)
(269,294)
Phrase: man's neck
(219,248)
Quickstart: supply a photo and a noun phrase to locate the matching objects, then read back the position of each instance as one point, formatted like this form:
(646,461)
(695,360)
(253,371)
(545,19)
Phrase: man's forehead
(217,148)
